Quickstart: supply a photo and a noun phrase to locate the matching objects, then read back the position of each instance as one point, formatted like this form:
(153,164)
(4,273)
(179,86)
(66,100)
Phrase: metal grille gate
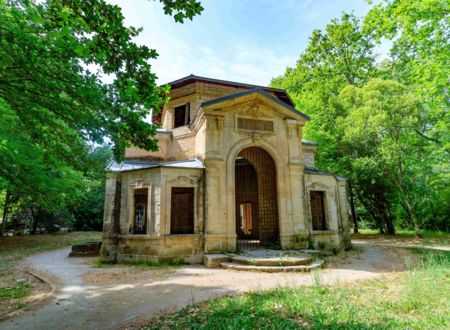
(256,198)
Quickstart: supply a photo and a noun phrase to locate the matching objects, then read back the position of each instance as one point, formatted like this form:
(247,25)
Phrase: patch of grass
(13,249)
(431,257)
(409,233)
(429,237)
(21,289)
(415,300)
(100,263)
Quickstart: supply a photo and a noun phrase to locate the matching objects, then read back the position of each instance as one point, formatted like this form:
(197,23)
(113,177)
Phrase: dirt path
(90,298)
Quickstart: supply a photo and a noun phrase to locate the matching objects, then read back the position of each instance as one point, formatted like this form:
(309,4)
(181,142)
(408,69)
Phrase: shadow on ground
(106,302)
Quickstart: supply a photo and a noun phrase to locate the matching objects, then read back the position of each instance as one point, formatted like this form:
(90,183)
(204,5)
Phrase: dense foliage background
(383,124)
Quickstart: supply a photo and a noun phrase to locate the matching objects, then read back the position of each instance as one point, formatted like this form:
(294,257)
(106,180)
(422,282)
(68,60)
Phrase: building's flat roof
(134,165)
(310,143)
(314,171)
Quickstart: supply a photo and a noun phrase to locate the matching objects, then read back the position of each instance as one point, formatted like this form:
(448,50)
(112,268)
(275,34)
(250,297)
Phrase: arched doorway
(256,199)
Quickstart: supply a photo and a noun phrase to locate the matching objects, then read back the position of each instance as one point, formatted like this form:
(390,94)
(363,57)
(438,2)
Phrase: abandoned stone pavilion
(231,172)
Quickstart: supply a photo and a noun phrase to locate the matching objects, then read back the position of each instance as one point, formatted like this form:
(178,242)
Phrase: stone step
(272,269)
(273,261)
(214,260)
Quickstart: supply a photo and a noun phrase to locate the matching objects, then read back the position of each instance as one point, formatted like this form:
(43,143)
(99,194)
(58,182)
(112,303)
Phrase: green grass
(410,233)
(99,263)
(13,249)
(429,237)
(21,289)
(418,299)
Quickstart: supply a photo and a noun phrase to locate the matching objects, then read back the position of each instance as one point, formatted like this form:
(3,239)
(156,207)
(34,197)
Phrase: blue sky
(249,41)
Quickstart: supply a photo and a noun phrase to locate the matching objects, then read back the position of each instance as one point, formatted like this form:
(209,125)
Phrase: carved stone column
(296,176)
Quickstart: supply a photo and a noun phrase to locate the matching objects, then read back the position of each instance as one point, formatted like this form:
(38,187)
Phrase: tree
(380,126)
(341,55)
(419,59)
(44,50)
(52,104)
(339,62)
(420,56)
(88,210)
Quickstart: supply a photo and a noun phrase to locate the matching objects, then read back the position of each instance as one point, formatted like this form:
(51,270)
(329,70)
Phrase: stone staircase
(264,260)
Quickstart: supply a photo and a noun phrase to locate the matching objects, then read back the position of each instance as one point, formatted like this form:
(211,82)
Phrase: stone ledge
(324,232)
(272,269)
(214,260)
(273,261)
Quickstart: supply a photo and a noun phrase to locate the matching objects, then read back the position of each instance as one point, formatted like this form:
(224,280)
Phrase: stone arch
(281,183)
(264,199)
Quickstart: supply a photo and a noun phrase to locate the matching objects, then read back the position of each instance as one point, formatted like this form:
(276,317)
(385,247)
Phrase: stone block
(214,260)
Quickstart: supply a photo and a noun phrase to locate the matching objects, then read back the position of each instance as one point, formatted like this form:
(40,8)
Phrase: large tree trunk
(5,211)
(406,205)
(389,225)
(36,220)
(412,216)
(352,208)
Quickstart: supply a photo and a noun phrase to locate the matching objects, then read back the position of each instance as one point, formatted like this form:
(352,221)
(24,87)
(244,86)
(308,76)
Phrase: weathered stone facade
(223,120)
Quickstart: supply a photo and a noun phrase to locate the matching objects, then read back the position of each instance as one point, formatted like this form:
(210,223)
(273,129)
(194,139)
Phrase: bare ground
(105,298)
(39,291)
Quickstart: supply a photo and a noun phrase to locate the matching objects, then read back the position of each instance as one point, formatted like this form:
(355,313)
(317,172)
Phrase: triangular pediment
(254,101)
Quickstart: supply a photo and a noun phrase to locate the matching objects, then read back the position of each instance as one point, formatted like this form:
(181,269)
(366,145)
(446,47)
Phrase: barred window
(317,201)
(140,211)
(182,211)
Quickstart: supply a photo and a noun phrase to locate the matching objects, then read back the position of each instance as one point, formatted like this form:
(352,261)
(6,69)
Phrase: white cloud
(238,59)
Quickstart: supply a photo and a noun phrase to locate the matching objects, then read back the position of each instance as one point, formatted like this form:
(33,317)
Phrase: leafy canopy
(71,76)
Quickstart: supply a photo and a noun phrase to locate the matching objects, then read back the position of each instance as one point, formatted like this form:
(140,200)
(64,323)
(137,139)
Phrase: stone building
(231,172)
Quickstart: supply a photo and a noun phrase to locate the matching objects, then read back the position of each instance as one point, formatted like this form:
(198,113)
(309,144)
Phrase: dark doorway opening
(246,204)
(256,199)
(182,211)
(318,210)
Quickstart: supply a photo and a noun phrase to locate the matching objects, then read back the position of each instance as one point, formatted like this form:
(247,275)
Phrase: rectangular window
(181,115)
(140,211)
(318,210)
(182,211)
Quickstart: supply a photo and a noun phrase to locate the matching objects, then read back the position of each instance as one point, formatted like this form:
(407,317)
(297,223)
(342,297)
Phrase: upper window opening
(181,115)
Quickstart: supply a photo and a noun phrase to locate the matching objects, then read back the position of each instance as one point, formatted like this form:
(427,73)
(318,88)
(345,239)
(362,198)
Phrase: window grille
(140,211)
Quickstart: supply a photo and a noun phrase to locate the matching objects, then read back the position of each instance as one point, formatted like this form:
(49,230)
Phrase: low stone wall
(188,248)
(86,250)
(327,240)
